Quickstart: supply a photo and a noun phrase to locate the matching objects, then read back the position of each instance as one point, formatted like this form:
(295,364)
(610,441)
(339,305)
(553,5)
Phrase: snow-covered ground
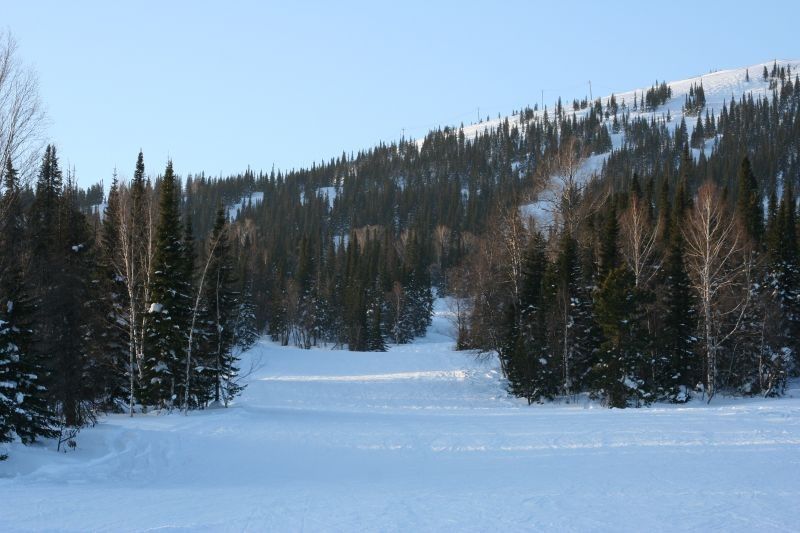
(254,199)
(420,438)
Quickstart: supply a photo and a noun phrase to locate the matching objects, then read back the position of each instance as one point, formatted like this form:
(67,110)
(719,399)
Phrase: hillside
(720,87)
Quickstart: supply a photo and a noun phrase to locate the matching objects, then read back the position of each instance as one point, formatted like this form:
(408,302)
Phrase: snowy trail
(417,439)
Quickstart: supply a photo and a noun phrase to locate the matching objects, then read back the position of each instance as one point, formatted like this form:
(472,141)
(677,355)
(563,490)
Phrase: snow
(420,438)
(330,193)
(255,198)
(543,210)
(98,209)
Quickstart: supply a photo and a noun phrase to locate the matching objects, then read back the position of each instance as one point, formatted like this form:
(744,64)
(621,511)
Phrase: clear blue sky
(220,86)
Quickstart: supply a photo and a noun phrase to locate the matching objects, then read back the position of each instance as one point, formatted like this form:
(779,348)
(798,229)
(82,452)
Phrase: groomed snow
(420,438)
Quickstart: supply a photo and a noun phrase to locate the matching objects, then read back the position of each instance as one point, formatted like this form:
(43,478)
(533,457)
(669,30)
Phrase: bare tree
(22,116)
(638,239)
(512,235)
(127,267)
(719,273)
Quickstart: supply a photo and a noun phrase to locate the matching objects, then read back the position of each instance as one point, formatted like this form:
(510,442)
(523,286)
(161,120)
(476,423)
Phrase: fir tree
(609,243)
(619,374)
(167,328)
(23,407)
(749,207)
(112,304)
(675,364)
(538,368)
(220,309)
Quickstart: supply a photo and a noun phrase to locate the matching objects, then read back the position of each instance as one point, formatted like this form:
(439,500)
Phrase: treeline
(417,202)
(641,297)
(127,315)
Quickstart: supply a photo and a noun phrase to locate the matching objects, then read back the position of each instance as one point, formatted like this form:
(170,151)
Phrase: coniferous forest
(673,273)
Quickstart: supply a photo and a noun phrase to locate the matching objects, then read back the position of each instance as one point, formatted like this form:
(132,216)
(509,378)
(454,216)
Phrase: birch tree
(718,272)
(22,115)
(638,239)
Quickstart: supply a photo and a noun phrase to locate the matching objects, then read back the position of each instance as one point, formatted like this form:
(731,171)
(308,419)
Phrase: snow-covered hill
(420,438)
(719,87)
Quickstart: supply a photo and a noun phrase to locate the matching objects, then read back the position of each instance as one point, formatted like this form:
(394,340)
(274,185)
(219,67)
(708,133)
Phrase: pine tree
(575,337)
(609,243)
(538,367)
(220,307)
(749,207)
(619,374)
(784,276)
(112,344)
(23,407)
(79,383)
(675,365)
(167,332)
(245,327)
(61,265)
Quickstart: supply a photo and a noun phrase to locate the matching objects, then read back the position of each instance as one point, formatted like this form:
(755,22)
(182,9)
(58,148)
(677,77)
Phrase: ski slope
(719,88)
(420,438)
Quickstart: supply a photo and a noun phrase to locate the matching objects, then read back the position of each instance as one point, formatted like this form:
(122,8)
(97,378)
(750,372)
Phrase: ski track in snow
(420,438)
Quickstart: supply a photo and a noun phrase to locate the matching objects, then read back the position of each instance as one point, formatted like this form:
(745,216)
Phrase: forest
(672,273)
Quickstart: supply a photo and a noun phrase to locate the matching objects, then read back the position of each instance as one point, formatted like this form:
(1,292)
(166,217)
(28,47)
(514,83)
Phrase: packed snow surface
(420,438)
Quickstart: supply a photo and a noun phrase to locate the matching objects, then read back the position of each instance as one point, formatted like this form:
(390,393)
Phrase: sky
(220,86)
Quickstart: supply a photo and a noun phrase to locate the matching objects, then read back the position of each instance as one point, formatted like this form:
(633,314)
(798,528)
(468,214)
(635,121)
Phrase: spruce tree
(112,305)
(609,242)
(675,366)
(785,272)
(78,378)
(23,403)
(534,362)
(749,207)
(167,327)
(220,303)
(61,265)
(619,375)
(575,335)
(245,327)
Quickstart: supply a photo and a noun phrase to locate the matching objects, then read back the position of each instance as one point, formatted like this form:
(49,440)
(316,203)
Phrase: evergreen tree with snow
(245,329)
(61,271)
(220,303)
(619,376)
(112,306)
(574,331)
(23,403)
(537,367)
(784,273)
(167,330)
